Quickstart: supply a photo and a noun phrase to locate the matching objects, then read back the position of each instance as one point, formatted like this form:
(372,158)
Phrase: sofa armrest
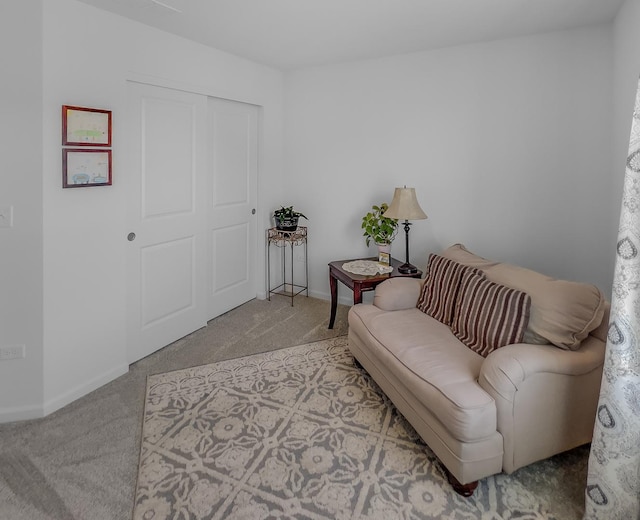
(506,368)
(397,294)
(545,397)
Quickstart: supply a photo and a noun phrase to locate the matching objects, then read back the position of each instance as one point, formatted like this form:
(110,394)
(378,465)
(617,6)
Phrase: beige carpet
(81,462)
(297,433)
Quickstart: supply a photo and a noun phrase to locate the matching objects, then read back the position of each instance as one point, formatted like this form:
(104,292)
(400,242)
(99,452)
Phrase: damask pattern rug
(298,433)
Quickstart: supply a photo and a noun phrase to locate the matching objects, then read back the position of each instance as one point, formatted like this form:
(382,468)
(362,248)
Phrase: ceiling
(288,34)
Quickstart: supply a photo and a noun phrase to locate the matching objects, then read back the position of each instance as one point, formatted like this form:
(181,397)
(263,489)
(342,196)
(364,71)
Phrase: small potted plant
(380,229)
(287,219)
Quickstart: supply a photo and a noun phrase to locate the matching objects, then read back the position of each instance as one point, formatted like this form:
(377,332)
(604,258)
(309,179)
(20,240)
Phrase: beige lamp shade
(404,205)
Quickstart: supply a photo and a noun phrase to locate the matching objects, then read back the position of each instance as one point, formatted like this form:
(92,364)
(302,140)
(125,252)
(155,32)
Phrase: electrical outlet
(12,352)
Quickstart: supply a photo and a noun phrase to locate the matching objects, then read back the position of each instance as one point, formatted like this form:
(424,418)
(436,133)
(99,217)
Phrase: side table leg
(333,284)
(357,294)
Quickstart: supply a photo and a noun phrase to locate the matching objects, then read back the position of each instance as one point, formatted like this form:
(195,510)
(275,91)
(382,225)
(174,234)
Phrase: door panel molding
(168,284)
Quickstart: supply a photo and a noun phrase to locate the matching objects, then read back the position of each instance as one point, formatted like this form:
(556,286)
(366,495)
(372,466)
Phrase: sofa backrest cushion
(440,287)
(602,331)
(489,315)
(562,312)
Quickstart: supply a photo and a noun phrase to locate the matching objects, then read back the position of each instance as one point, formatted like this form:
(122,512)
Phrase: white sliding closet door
(166,260)
(192,195)
(231,203)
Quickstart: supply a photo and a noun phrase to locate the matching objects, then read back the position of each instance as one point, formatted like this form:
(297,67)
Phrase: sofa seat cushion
(433,364)
(562,312)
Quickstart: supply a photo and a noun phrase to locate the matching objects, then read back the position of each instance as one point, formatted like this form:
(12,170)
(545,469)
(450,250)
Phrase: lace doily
(366,267)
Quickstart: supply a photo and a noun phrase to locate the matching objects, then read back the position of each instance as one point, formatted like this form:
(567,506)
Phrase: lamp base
(407,268)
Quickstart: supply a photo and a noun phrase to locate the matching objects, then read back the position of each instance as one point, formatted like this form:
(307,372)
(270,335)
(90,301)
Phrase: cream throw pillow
(562,312)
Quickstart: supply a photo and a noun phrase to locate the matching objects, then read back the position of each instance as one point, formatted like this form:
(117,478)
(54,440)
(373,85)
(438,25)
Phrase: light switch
(6,216)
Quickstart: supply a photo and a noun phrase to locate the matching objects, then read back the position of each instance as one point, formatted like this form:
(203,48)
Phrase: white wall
(89,55)
(21,187)
(507,144)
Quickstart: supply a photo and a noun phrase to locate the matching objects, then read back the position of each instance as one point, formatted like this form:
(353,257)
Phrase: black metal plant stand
(282,239)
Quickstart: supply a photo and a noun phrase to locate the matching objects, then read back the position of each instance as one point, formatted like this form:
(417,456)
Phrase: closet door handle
(253,211)
(131,237)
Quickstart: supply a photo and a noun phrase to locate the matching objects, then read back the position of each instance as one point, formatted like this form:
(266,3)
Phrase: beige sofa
(497,410)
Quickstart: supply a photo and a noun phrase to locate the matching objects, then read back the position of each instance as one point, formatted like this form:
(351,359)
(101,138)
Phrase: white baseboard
(346,299)
(83,389)
(21,413)
(24,413)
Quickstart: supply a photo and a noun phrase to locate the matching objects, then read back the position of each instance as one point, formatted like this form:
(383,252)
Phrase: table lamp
(404,206)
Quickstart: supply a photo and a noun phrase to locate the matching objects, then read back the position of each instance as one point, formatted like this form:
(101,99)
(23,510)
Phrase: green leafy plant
(377,227)
(287,213)
(287,218)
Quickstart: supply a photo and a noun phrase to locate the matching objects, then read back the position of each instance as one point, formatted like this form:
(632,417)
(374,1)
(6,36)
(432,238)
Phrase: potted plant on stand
(287,219)
(380,229)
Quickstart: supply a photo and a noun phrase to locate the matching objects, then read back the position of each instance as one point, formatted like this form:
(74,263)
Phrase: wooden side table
(358,283)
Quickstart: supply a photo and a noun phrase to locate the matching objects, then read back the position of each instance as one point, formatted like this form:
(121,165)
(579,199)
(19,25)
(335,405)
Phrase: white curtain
(613,482)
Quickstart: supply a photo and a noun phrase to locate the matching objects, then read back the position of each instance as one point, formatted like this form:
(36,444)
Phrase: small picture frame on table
(82,168)
(384,258)
(83,126)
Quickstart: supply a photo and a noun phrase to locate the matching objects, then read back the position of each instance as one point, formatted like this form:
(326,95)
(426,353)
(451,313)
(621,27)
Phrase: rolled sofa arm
(507,368)
(396,294)
(545,397)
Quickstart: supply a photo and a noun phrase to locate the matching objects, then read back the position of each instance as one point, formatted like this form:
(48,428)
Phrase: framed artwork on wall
(82,168)
(85,126)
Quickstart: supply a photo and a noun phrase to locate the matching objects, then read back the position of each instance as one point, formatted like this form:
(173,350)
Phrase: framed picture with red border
(82,168)
(83,126)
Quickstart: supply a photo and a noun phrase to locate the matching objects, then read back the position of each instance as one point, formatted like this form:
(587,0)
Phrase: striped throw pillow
(440,288)
(489,315)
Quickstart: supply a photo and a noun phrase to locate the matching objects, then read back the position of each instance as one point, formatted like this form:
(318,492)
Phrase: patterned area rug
(298,433)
